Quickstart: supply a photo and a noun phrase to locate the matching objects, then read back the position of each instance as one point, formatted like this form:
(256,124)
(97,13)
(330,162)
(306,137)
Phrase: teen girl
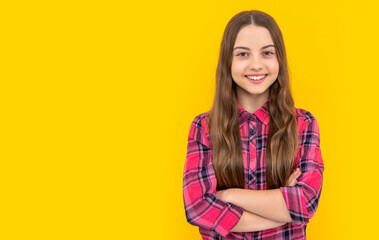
(253,168)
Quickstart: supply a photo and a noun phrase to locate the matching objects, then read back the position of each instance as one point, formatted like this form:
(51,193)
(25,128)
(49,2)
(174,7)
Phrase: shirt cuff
(296,204)
(230,216)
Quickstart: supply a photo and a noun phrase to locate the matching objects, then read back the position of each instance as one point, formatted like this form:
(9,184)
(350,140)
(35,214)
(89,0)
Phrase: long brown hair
(223,122)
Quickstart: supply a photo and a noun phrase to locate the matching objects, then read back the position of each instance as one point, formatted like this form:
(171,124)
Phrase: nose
(255,64)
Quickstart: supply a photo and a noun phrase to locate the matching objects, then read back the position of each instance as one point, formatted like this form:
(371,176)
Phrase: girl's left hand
(292,180)
(222,194)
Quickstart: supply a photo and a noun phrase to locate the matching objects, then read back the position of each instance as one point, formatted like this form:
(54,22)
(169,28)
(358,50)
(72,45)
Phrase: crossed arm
(265,208)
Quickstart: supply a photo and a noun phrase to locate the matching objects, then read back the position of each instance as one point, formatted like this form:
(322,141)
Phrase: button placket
(252,155)
(252,130)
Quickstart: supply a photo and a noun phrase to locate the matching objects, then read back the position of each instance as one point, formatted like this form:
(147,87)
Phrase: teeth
(256,77)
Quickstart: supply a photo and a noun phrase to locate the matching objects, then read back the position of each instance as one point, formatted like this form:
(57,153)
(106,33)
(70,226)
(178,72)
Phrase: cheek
(237,68)
(274,66)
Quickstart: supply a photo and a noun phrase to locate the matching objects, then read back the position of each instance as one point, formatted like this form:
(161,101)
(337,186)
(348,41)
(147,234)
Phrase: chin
(255,92)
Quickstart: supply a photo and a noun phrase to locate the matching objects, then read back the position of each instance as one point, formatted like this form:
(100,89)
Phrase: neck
(251,103)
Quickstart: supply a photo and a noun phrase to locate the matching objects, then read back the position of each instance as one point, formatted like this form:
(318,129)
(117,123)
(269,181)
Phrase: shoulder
(305,119)
(199,129)
(200,119)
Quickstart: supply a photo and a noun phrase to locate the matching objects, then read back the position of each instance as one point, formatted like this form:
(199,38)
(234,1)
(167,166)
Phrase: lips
(255,74)
(256,81)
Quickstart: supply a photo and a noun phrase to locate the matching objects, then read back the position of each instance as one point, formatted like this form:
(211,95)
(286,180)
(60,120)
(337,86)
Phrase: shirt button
(253,118)
(252,131)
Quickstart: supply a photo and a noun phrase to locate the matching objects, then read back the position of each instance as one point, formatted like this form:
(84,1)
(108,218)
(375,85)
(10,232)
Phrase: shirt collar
(262,114)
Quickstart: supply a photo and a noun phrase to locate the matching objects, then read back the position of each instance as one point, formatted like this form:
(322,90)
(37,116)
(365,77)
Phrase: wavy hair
(223,121)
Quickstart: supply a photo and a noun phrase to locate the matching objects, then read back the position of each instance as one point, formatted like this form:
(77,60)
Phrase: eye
(268,53)
(239,54)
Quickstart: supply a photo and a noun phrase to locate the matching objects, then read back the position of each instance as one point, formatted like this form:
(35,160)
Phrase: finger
(293,177)
(291,180)
(298,173)
(290,183)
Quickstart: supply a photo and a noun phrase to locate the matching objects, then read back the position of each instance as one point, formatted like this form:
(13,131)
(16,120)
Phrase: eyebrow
(246,48)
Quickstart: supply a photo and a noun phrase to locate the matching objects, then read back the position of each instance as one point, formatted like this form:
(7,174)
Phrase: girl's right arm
(251,222)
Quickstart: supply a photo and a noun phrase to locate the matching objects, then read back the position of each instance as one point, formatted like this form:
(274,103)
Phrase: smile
(256,79)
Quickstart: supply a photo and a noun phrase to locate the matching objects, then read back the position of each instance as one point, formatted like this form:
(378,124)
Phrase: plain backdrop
(97,98)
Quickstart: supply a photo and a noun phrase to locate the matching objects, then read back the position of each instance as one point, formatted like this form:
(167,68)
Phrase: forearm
(266,203)
(250,222)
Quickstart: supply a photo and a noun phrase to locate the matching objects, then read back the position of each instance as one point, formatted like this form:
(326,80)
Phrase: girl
(253,168)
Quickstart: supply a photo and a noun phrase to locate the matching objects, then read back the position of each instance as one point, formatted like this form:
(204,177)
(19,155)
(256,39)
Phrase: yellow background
(97,98)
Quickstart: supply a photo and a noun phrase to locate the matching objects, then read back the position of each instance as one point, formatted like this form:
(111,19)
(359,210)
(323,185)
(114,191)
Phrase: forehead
(253,37)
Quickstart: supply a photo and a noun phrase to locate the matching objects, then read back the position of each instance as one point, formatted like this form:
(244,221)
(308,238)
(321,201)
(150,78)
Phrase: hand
(222,194)
(292,180)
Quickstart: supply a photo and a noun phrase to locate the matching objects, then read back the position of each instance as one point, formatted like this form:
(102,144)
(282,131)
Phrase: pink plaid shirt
(214,217)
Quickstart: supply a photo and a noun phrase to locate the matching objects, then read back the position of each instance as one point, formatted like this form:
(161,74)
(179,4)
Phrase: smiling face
(254,55)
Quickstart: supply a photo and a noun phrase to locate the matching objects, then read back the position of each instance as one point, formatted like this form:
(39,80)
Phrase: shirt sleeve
(303,198)
(202,207)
